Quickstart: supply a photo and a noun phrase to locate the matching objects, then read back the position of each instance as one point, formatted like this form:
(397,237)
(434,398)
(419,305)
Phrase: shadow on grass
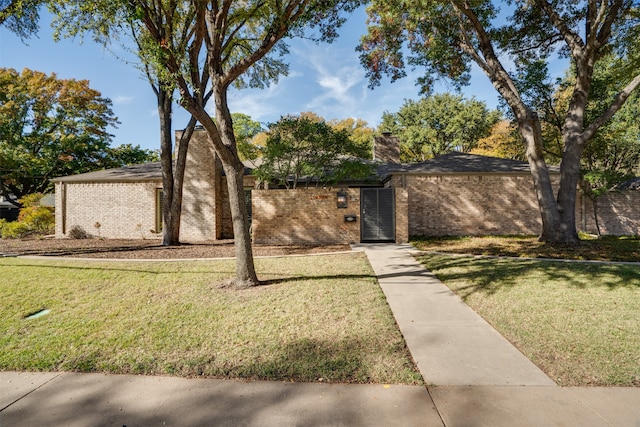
(491,275)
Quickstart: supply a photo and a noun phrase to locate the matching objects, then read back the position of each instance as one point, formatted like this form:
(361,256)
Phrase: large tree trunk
(172,175)
(530,130)
(245,269)
(170,227)
(569,178)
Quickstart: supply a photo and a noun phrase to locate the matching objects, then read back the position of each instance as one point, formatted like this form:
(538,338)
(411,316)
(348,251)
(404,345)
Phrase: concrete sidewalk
(474,378)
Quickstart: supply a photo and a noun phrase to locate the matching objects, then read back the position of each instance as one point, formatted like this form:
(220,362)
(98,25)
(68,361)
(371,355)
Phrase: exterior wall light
(342,199)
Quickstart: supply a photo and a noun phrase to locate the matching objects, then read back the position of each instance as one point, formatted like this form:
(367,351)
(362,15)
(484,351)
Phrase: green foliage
(32,219)
(128,154)
(48,128)
(20,16)
(439,124)
(301,150)
(15,230)
(245,129)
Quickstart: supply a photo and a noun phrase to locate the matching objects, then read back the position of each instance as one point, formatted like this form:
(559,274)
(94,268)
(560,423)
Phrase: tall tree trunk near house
(170,233)
(245,268)
(531,132)
(172,174)
(569,178)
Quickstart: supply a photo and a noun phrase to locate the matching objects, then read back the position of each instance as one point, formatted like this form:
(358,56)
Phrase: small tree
(300,150)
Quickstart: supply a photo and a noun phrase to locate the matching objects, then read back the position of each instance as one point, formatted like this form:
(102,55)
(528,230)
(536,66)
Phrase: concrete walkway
(474,378)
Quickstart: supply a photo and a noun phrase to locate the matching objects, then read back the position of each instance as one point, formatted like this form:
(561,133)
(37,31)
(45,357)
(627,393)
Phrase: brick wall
(200,220)
(304,216)
(485,204)
(618,213)
(109,210)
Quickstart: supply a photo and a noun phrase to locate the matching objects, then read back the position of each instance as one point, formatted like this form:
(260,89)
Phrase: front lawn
(320,318)
(579,322)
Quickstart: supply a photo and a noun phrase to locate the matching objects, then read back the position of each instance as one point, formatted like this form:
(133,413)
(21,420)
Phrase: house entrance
(377,215)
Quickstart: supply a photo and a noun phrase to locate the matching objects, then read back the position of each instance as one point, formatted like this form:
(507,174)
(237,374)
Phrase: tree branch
(617,103)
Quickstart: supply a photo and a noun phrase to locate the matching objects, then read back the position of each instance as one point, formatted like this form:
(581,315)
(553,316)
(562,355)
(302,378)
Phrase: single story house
(453,194)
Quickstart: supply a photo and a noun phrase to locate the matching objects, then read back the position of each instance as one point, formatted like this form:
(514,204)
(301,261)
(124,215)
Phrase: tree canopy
(438,124)
(444,39)
(301,150)
(49,127)
(20,16)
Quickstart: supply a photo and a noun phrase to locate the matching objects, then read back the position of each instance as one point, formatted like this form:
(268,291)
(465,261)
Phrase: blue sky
(325,79)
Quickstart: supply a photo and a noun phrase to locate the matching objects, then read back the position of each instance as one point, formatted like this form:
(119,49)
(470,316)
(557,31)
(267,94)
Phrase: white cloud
(123,100)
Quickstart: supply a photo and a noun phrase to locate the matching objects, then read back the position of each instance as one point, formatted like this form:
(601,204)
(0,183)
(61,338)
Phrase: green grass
(579,322)
(607,248)
(321,318)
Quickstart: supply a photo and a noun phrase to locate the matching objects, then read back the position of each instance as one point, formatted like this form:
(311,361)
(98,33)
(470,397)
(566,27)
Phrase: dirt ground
(145,249)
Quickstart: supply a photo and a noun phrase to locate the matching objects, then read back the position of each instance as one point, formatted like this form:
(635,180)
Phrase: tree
(300,150)
(245,129)
(445,38)
(49,127)
(231,43)
(358,130)
(437,125)
(503,141)
(126,155)
(20,16)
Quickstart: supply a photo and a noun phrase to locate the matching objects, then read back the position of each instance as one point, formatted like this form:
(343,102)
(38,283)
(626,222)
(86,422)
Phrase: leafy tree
(245,129)
(229,43)
(503,141)
(437,125)
(20,16)
(300,150)
(49,127)
(128,154)
(445,38)
(358,130)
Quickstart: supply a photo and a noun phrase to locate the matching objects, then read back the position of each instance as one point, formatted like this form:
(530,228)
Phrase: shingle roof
(144,172)
(632,184)
(459,163)
(136,173)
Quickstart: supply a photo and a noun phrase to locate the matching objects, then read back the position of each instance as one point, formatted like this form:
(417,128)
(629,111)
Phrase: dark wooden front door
(377,213)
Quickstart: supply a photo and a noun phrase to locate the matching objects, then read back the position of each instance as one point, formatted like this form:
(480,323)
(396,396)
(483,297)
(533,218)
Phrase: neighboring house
(454,194)
(8,211)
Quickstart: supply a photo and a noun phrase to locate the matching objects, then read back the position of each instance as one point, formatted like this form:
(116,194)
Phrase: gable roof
(460,163)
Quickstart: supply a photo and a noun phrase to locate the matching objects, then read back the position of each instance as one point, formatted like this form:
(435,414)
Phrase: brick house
(453,194)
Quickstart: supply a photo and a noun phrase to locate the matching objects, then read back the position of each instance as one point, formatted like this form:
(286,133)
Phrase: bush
(39,219)
(15,230)
(77,232)
(32,219)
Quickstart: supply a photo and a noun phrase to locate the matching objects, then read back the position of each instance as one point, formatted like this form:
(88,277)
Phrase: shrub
(15,230)
(77,232)
(39,219)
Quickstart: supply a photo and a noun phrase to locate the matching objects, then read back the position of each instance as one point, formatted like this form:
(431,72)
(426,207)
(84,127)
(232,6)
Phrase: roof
(632,184)
(451,163)
(459,163)
(151,171)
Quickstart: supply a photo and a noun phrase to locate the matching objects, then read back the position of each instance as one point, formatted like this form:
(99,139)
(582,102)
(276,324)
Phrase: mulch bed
(146,249)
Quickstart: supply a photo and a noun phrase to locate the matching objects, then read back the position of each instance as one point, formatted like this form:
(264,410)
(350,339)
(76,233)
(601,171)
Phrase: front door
(377,215)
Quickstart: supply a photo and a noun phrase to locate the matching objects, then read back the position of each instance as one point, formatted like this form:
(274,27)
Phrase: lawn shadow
(490,275)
